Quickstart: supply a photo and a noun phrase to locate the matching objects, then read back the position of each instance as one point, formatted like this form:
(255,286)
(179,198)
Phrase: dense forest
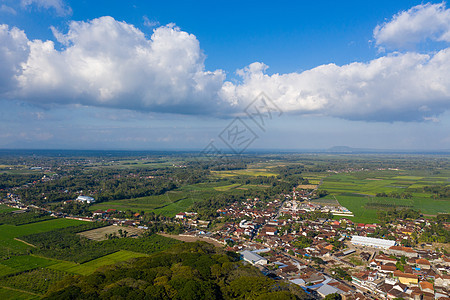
(185,271)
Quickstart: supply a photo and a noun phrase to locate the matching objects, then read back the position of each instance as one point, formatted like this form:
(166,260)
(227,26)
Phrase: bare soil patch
(307,186)
(100,234)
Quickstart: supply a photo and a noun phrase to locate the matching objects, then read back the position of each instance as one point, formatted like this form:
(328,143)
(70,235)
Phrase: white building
(253,258)
(85,199)
(371,242)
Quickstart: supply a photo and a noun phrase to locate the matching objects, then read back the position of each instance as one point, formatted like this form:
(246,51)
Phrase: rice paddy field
(249,172)
(357,191)
(178,200)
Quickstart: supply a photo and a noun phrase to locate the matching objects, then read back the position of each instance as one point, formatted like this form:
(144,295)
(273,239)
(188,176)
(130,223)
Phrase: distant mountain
(346,149)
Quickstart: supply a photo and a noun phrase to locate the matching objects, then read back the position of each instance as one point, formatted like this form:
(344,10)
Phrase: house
(181,216)
(442,281)
(98,213)
(426,287)
(406,278)
(400,250)
(423,263)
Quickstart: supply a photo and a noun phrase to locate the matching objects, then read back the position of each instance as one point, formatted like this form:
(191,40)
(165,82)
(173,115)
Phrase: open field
(356,191)
(178,200)
(307,186)
(227,187)
(314,178)
(99,233)
(148,203)
(190,239)
(5,208)
(22,263)
(9,293)
(90,266)
(248,172)
(8,232)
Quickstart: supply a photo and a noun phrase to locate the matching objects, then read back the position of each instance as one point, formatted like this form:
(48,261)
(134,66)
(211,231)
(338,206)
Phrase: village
(298,240)
(326,256)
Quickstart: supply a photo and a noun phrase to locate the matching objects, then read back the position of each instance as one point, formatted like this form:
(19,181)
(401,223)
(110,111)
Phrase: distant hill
(346,149)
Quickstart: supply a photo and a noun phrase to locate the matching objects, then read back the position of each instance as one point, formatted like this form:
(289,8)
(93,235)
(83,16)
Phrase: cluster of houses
(384,269)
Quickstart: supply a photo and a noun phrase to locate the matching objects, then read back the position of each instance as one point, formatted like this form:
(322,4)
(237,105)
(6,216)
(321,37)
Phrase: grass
(5,208)
(227,187)
(177,200)
(247,172)
(356,191)
(8,245)
(148,203)
(7,293)
(90,266)
(22,263)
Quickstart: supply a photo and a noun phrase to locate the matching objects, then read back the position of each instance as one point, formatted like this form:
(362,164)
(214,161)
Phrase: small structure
(85,199)
(181,215)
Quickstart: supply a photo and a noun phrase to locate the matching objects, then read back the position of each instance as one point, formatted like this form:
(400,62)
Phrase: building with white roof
(85,199)
(371,242)
(253,258)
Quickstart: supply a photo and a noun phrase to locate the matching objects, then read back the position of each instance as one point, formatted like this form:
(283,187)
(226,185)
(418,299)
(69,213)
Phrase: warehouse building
(371,242)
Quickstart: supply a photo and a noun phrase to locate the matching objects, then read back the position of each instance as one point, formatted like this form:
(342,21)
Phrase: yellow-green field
(90,266)
(248,172)
(356,191)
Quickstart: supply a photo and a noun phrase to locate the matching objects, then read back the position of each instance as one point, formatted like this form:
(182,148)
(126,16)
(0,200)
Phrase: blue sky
(174,75)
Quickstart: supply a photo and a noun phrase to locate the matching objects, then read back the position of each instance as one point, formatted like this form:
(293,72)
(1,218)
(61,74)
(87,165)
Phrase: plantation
(9,246)
(21,217)
(8,293)
(35,281)
(65,244)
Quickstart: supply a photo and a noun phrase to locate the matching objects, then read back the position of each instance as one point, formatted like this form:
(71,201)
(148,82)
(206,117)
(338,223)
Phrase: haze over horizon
(137,75)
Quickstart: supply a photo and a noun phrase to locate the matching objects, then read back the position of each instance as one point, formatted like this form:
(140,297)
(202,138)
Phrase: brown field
(99,233)
(307,186)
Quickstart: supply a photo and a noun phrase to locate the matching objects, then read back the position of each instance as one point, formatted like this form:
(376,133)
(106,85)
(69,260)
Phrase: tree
(334,296)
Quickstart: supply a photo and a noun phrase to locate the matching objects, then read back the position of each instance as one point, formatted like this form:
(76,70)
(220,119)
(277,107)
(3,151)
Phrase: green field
(148,203)
(5,208)
(247,172)
(8,245)
(23,263)
(90,266)
(178,200)
(356,191)
(8,293)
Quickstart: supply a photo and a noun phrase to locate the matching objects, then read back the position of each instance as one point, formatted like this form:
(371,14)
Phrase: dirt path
(17,290)
(25,242)
(184,238)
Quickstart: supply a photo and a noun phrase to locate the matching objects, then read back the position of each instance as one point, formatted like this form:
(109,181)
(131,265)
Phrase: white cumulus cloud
(418,24)
(390,88)
(108,63)
(112,64)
